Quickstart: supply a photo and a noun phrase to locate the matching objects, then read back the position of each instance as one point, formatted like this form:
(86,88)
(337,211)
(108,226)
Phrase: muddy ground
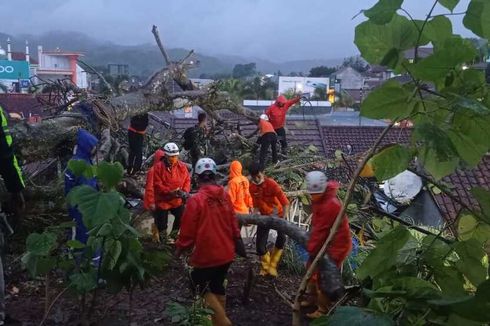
(26,298)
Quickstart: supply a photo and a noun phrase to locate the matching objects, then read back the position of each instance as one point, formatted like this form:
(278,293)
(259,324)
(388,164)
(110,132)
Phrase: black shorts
(210,279)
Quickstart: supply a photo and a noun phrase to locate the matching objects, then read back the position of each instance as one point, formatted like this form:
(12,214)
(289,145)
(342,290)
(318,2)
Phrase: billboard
(306,85)
(14,70)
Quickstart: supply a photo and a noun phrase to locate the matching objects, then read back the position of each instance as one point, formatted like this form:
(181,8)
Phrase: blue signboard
(14,69)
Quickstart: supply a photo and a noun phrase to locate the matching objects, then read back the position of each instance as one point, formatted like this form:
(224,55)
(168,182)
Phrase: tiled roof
(463,181)
(360,139)
(300,132)
(20,56)
(25,103)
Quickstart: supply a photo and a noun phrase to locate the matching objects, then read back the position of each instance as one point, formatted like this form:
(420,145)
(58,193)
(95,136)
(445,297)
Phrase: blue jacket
(86,142)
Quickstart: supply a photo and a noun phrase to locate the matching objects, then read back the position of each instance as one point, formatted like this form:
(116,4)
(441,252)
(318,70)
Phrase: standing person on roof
(149,198)
(277,117)
(195,139)
(171,184)
(239,189)
(12,177)
(267,138)
(210,230)
(84,150)
(326,206)
(268,198)
(136,138)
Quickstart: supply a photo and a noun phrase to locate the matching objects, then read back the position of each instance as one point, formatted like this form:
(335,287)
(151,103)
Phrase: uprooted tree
(408,278)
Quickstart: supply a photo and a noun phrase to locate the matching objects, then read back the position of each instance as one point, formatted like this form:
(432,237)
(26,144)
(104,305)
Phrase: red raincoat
(149,197)
(277,114)
(267,196)
(209,227)
(325,211)
(167,179)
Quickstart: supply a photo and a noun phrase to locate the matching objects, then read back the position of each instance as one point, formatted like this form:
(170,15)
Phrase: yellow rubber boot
(310,295)
(276,257)
(265,261)
(323,304)
(219,317)
(155,235)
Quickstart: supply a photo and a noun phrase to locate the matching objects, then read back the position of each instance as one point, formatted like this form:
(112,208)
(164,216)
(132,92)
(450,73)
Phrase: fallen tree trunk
(330,278)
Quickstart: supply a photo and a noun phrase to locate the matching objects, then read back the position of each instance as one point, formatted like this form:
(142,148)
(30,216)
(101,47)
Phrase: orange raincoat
(238,189)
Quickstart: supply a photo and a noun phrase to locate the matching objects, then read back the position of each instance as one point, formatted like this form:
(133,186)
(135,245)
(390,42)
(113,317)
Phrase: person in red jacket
(268,198)
(277,117)
(210,230)
(326,206)
(149,198)
(171,184)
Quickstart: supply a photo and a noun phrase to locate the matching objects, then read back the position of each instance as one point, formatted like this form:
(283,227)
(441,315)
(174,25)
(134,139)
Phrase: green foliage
(390,101)
(477,18)
(244,70)
(122,264)
(354,316)
(322,71)
(382,12)
(385,44)
(184,316)
(449,4)
(391,161)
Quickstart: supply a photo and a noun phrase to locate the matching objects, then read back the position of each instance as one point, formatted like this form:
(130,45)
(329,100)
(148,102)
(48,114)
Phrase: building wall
(82,78)
(350,78)
(54,62)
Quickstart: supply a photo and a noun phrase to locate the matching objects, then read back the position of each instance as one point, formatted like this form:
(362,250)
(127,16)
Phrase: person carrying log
(326,206)
(210,231)
(268,198)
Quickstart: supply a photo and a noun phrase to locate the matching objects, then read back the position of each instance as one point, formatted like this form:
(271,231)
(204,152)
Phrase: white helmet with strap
(316,182)
(264,117)
(205,164)
(171,149)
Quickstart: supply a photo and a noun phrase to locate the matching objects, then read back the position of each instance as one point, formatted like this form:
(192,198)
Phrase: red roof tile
(25,103)
(22,57)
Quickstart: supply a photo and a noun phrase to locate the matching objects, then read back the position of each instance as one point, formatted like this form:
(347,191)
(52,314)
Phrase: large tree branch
(330,277)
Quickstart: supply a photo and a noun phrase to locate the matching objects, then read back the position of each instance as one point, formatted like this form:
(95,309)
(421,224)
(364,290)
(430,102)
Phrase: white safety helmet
(171,149)
(316,182)
(205,164)
(264,117)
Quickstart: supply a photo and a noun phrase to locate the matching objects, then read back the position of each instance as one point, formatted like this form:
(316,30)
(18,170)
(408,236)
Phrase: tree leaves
(390,101)
(386,43)
(110,174)
(449,4)
(477,18)
(471,228)
(382,12)
(470,264)
(96,207)
(391,161)
(354,316)
(40,244)
(438,30)
(84,282)
(388,251)
(454,52)
(483,197)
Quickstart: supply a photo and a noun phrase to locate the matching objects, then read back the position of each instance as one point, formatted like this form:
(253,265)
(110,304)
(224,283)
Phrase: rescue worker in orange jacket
(171,185)
(210,231)
(268,198)
(326,206)
(149,198)
(239,189)
(277,117)
(268,138)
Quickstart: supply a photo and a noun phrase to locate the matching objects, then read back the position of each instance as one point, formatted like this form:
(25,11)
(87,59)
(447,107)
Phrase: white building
(305,85)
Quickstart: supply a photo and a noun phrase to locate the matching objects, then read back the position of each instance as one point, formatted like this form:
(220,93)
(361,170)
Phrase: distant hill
(144,59)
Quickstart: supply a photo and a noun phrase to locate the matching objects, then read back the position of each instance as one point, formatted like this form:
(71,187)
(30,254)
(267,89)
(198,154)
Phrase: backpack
(188,138)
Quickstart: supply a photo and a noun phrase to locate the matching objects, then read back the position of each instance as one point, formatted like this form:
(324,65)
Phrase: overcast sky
(277,30)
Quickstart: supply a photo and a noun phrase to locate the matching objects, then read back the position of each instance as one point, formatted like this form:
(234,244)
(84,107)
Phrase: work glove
(240,248)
